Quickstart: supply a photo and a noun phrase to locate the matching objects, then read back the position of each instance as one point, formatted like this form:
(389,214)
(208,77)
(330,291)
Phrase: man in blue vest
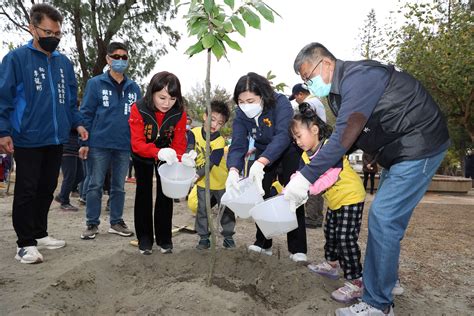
(38,108)
(106,108)
(390,115)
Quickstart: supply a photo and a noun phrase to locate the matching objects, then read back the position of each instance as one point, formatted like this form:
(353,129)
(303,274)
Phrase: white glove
(168,155)
(296,191)
(189,159)
(232,182)
(256,174)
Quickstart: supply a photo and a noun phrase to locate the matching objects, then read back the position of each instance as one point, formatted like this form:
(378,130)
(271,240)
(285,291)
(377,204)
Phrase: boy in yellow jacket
(218,174)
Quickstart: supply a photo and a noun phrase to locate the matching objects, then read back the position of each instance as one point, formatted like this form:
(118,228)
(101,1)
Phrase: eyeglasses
(117,56)
(308,81)
(50,33)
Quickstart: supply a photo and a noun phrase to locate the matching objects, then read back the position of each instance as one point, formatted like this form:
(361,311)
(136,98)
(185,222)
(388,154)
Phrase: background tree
(436,47)
(93,24)
(279,86)
(212,24)
(196,104)
(371,39)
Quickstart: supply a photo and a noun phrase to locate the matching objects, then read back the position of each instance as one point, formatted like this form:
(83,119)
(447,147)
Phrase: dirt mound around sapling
(128,283)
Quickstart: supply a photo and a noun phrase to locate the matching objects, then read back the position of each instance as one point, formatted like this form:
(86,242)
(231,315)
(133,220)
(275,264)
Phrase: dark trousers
(226,216)
(37,171)
(314,210)
(282,169)
(372,179)
(80,175)
(85,179)
(145,217)
(130,168)
(71,167)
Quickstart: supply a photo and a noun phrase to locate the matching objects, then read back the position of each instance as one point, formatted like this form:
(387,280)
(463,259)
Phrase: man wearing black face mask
(38,108)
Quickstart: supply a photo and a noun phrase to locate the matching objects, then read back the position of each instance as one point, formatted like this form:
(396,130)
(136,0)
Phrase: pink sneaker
(350,292)
(325,269)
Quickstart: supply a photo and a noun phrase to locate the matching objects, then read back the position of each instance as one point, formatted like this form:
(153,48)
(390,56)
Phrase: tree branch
(18,25)
(25,12)
(117,20)
(77,26)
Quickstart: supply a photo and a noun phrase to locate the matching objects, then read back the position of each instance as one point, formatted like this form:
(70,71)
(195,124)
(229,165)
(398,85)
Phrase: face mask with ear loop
(251,110)
(49,44)
(317,86)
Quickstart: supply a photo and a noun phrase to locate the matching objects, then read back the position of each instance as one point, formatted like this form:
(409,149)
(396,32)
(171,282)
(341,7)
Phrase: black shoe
(69,207)
(228,243)
(146,252)
(204,243)
(58,199)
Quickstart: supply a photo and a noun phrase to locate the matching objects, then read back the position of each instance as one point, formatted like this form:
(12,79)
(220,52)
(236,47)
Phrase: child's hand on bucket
(188,159)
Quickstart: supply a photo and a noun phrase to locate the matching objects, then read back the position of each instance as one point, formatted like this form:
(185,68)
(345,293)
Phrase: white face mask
(251,110)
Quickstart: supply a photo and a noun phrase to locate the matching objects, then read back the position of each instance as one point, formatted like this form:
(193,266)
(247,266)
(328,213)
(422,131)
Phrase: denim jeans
(400,190)
(100,159)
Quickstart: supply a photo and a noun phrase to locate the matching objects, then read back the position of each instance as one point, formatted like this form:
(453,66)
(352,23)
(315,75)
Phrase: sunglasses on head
(117,56)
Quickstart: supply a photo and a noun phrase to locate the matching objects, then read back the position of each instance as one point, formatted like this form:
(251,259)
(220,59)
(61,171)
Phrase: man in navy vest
(390,115)
(106,108)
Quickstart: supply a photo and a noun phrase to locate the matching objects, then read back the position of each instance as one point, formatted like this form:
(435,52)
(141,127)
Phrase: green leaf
(230,3)
(228,27)
(232,44)
(250,17)
(238,24)
(264,11)
(208,40)
(218,49)
(217,23)
(208,6)
(194,49)
(198,27)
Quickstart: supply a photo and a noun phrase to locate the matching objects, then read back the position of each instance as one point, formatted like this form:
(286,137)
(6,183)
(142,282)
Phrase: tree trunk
(210,220)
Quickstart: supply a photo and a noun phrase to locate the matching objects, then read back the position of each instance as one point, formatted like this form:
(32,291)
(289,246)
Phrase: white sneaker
(362,309)
(166,250)
(28,254)
(258,249)
(298,257)
(398,289)
(50,243)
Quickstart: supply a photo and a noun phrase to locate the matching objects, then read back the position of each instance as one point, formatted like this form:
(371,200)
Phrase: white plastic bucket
(273,216)
(176,179)
(240,202)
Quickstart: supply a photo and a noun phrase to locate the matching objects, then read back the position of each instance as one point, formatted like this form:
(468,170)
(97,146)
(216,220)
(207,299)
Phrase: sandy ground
(108,276)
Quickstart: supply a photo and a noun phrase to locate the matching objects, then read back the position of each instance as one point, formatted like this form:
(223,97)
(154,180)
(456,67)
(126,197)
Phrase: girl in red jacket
(158,135)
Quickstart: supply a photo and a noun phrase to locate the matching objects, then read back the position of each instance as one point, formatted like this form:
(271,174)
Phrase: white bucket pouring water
(176,179)
(274,216)
(240,202)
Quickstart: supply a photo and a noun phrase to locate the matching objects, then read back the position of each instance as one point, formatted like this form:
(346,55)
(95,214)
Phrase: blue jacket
(271,135)
(38,97)
(106,113)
